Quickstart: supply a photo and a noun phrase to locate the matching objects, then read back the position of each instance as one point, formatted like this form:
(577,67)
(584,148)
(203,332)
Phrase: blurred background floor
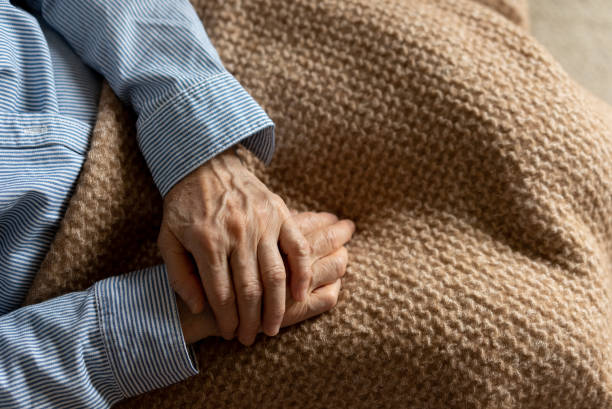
(579,34)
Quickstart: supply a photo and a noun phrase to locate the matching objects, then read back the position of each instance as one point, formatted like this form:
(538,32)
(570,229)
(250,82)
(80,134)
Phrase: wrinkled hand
(227,221)
(326,236)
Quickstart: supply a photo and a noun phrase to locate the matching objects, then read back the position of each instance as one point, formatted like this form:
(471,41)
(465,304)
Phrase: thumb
(182,272)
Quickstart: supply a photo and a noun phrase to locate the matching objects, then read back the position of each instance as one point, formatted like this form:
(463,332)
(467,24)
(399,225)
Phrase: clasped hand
(220,238)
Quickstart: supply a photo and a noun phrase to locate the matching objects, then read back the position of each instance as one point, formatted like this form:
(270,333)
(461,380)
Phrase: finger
(273,277)
(330,268)
(297,249)
(309,222)
(329,239)
(216,278)
(196,326)
(321,300)
(247,284)
(181,271)
(325,298)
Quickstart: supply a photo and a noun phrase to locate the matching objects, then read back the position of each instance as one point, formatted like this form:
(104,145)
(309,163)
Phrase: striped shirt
(122,336)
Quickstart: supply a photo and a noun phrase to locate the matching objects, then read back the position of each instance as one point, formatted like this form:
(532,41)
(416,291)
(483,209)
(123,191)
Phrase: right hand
(327,237)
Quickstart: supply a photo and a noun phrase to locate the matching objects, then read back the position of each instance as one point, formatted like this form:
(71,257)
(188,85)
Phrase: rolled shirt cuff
(199,123)
(141,330)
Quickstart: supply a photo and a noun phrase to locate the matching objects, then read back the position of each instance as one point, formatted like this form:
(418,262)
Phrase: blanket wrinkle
(480,178)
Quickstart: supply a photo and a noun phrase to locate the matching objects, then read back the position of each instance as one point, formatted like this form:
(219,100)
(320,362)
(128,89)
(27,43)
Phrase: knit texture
(480,178)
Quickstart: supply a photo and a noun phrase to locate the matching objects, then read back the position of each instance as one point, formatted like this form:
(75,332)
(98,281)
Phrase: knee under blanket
(480,178)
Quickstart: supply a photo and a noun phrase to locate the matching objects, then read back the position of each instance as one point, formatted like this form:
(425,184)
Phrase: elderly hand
(227,221)
(327,237)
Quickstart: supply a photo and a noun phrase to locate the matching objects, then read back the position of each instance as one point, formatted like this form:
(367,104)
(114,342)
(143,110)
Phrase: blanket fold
(480,178)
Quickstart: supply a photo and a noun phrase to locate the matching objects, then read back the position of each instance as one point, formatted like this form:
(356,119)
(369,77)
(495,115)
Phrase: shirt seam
(181,92)
(32,120)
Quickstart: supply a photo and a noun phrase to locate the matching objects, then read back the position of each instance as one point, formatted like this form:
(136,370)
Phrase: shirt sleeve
(158,58)
(119,338)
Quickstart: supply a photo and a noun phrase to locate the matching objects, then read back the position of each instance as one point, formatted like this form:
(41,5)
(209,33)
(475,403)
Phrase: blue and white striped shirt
(122,336)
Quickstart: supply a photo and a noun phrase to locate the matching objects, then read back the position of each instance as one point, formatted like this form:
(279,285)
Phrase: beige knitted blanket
(480,178)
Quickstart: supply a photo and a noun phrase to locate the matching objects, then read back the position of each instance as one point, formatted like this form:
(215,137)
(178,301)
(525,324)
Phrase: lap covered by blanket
(480,178)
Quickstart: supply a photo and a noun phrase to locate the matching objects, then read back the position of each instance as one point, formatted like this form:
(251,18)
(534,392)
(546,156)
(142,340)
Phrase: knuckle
(237,224)
(216,262)
(225,298)
(302,248)
(274,275)
(209,239)
(330,238)
(239,262)
(337,265)
(251,292)
(308,219)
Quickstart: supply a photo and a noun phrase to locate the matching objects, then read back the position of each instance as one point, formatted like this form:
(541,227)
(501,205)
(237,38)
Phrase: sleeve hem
(199,123)
(141,331)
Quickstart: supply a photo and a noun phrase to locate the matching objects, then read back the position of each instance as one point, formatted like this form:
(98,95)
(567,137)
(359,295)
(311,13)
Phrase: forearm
(157,57)
(145,49)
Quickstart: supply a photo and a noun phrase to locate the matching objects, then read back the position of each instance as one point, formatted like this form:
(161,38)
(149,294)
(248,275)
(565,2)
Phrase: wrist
(227,160)
(196,327)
